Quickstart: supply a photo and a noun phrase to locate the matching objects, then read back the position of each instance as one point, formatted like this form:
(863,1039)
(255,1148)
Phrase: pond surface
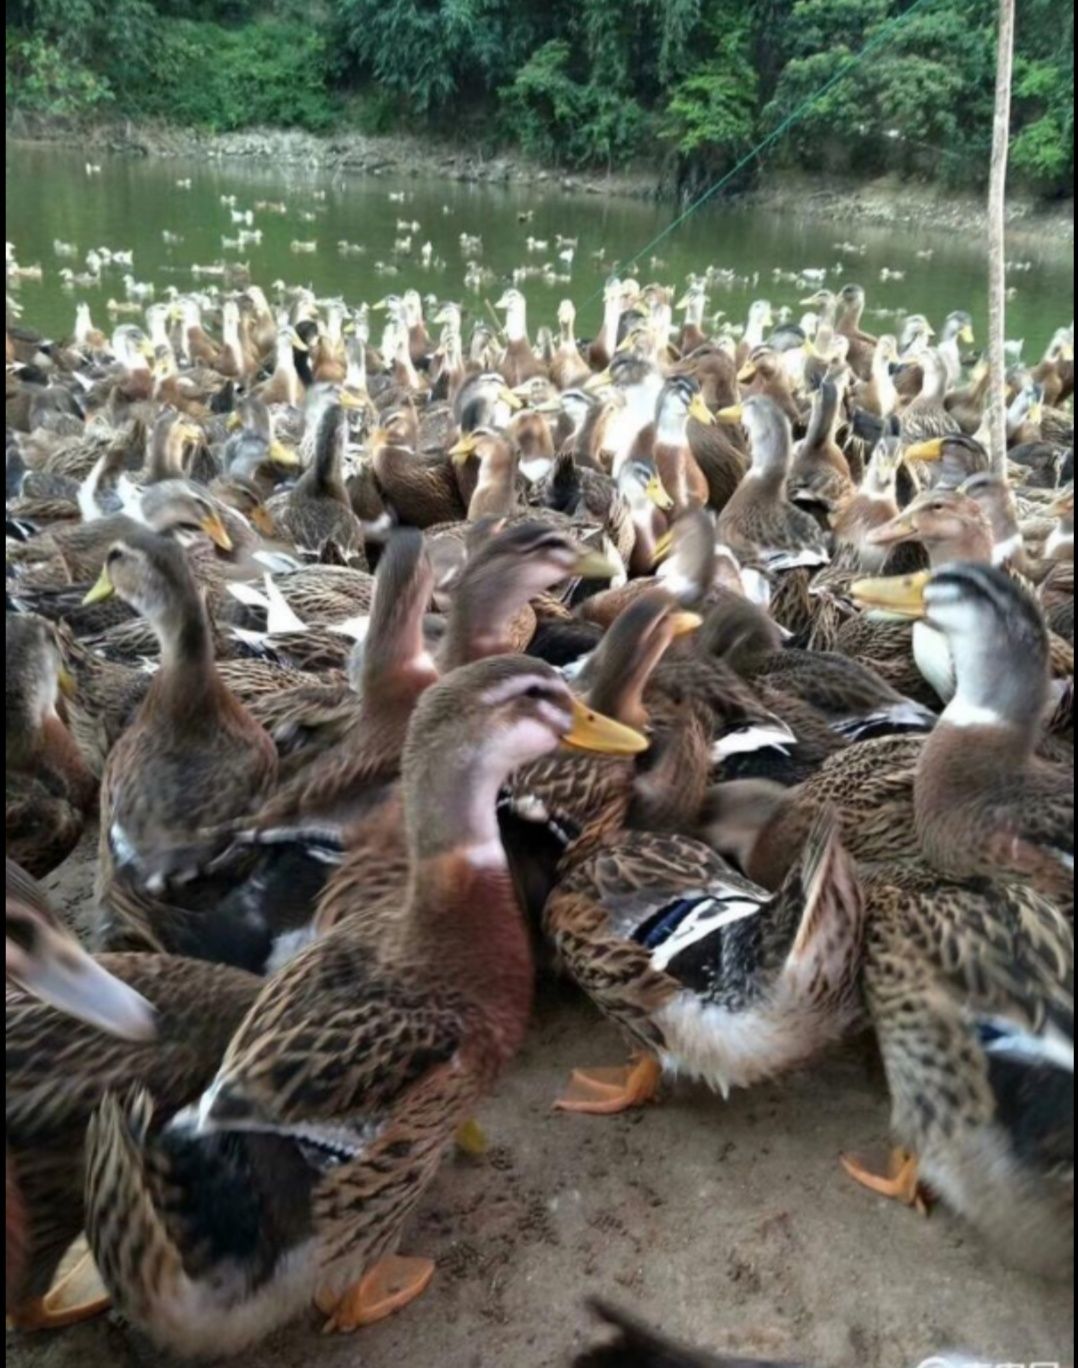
(132,201)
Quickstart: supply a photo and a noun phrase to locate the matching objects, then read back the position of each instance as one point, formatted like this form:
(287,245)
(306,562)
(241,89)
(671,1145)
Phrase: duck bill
(283,456)
(592,731)
(62,974)
(599,381)
(901,594)
(215,529)
(510,397)
(747,373)
(348,400)
(65,682)
(262,521)
(297,341)
(926,451)
(663,547)
(699,410)
(684,624)
(233,422)
(898,530)
(1036,414)
(656,493)
(592,565)
(460,453)
(102,589)
(731,415)
(966,336)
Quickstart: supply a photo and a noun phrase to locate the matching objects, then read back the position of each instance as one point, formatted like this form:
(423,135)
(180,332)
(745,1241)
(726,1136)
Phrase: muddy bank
(887,200)
(347,150)
(891,201)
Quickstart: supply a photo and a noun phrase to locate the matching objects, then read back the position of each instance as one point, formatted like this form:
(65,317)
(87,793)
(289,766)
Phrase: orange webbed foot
(901,1184)
(605,1092)
(389,1286)
(78,1294)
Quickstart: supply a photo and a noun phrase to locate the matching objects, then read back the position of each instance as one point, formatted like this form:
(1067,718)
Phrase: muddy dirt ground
(726,1223)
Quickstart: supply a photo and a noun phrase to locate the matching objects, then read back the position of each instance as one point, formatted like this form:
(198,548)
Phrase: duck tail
(832,920)
(195,1247)
(137,1258)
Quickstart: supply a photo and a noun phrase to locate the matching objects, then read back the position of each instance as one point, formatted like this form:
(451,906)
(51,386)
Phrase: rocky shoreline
(884,201)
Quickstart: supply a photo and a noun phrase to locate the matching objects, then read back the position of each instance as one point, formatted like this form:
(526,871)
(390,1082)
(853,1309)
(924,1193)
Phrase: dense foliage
(587,83)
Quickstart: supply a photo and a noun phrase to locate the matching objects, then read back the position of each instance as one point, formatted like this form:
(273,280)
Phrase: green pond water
(132,201)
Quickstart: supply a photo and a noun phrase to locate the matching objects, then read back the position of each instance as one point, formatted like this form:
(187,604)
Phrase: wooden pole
(997,249)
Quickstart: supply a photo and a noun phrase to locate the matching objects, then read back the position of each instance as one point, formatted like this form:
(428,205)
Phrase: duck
(46,962)
(855,701)
(568,369)
(711,977)
(421,489)
(498,458)
(847,322)
(304,1124)
(970,990)
(47,965)
(1001,808)
(872,505)
(600,352)
(877,395)
(759,524)
(820,473)
(49,788)
(763,372)
(694,304)
(679,401)
(761,316)
(284,385)
(926,418)
(192,758)
(317,512)
(158,1020)
(519,363)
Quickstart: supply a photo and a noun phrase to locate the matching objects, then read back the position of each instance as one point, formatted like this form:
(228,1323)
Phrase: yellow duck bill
(101,590)
(901,594)
(592,731)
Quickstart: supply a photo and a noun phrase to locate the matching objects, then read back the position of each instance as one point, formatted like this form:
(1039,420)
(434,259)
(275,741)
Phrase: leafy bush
(264,73)
(711,116)
(41,80)
(563,121)
(577,82)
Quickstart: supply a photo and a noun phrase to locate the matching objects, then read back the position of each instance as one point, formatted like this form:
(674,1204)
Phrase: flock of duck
(736,673)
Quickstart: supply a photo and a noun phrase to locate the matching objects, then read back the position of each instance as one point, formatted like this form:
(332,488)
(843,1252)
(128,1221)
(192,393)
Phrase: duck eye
(535,691)
(113,556)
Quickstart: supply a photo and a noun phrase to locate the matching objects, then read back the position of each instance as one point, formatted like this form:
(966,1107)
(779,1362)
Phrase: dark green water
(49,195)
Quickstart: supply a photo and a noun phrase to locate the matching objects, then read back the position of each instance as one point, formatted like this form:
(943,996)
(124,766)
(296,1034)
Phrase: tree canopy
(582,84)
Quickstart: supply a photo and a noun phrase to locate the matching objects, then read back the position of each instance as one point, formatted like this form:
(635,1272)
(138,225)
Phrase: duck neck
(754,332)
(886,394)
(951,357)
(694,312)
(495,493)
(822,424)
(324,474)
(464,923)
(516,322)
(1010,703)
(166,455)
(608,334)
(183,630)
(620,679)
(974,543)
